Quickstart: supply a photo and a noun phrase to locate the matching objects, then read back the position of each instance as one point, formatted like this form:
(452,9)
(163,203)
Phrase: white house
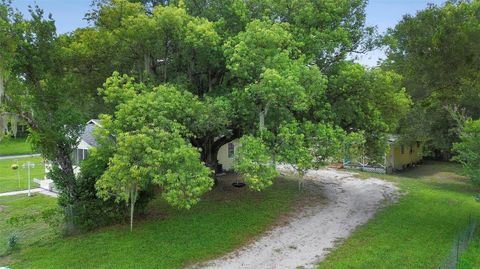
(86,142)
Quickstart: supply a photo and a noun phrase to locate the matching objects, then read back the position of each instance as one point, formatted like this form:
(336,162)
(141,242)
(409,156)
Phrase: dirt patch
(340,202)
(5,259)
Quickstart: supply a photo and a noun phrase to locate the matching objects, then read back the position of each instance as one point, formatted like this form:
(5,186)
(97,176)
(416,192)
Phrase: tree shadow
(442,175)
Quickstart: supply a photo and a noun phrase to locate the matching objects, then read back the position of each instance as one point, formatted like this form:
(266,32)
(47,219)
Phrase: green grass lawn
(16,146)
(224,220)
(471,257)
(9,177)
(11,206)
(416,232)
(419,230)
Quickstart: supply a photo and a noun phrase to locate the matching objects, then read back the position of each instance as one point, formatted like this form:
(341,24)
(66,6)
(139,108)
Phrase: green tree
(434,51)
(254,163)
(372,101)
(468,149)
(325,142)
(308,146)
(163,45)
(41,91)
(354,147)
(206,72)
(154,156)
(245,58)
(327,29)
(270,74)
(294,149)
(201,121)
(8,43)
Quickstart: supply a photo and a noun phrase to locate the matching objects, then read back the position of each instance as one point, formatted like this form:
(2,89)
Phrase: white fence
(367,168)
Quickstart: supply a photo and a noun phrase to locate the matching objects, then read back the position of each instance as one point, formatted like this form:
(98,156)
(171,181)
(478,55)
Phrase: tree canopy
(437,51)
(154,156)
(173,81)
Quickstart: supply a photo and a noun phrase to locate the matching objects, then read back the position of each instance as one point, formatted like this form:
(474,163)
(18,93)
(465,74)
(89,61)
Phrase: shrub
(12,241)
(88,211)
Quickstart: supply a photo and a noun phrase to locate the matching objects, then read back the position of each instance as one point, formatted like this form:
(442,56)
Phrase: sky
(384,14)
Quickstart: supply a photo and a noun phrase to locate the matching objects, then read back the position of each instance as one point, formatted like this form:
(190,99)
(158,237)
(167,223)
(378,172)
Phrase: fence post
(464,238)
(458,246)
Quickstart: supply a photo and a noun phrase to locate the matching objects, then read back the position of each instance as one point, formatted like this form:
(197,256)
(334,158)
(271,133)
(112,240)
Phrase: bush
(88,211)
(12,241)
(85,211)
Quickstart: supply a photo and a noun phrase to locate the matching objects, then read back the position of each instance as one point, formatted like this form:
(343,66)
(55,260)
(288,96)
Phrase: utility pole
(28,165)
(18,175)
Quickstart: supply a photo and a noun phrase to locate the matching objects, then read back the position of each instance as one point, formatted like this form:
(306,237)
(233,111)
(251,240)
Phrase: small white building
(226,154)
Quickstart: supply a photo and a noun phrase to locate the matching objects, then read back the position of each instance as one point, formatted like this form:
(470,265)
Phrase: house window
(231,150)
(403,149)
(79,155)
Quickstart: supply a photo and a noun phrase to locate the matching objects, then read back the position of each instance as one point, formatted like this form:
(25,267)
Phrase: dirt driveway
(309,234)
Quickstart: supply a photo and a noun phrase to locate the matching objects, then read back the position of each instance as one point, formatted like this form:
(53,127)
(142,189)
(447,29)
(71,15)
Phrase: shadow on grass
(434,170)
(418,230)
(440,175)
(226,218)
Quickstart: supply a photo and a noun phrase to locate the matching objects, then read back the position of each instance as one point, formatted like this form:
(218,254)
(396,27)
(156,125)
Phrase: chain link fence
(460,245)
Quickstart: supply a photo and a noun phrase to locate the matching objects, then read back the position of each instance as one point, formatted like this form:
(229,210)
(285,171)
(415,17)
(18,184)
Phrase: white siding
(223,156)
(83,145)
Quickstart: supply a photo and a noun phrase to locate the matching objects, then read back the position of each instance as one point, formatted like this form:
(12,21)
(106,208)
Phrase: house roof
(95,121)
(88,133)
(393,138)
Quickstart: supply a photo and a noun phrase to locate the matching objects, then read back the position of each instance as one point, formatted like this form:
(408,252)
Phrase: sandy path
(307,237)
(32,191)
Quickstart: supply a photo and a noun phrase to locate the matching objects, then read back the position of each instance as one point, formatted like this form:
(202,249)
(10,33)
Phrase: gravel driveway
(309,234)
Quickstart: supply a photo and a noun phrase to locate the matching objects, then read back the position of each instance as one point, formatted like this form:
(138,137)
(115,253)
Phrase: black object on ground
(238,184)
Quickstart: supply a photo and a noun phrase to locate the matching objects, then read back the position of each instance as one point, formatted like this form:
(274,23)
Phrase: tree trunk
(211,153)
(300,182)
(210,147)
(2,81)
(147,61)
(261,121)
(66,182)
(209,80)
(262,115)
(63,160)
(2,86)
(209,156)
(133,199)
(165,61)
